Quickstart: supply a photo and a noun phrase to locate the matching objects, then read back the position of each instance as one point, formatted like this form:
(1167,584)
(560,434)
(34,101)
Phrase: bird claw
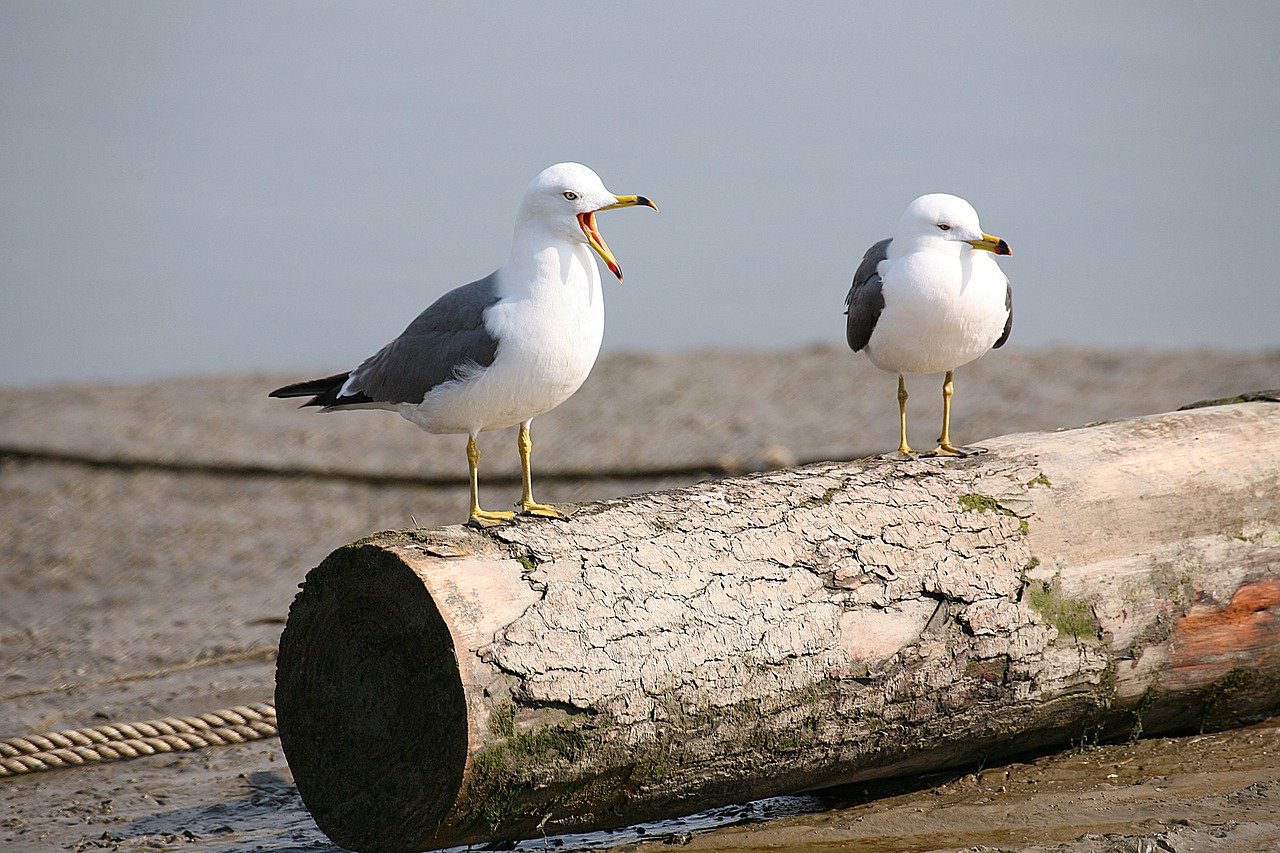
(540,510)
(947,450)
(487,518)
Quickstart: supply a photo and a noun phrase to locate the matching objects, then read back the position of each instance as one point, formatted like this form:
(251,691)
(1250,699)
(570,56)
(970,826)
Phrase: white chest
(549,324)
(550,334)
(939,312)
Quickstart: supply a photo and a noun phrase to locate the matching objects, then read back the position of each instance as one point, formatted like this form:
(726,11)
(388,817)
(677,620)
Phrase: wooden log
(668,652)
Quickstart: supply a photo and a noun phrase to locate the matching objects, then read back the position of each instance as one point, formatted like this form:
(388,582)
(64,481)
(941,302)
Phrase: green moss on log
(822,500)
(979,503)
(1105,695)
(503,721)
(974,502)
(1250,397)
(1139,713)
(500,775)
(1072,617)
(505,789)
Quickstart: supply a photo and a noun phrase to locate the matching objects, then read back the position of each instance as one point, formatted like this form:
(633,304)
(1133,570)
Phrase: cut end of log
(368,679)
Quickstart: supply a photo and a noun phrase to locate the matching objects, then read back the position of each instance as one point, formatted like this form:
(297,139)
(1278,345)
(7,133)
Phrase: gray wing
(446,341)
(1008,323)
(866,298)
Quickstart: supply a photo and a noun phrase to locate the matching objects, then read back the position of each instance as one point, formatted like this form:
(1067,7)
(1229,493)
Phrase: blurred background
(200,188)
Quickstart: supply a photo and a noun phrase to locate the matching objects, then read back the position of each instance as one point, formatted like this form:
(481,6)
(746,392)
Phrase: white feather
(944,301)
(548,320)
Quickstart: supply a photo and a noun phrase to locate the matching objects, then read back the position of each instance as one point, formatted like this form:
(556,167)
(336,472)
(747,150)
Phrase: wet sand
(154,535)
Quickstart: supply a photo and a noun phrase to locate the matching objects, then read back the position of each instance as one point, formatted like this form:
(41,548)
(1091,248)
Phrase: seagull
(504,349)
(930,299)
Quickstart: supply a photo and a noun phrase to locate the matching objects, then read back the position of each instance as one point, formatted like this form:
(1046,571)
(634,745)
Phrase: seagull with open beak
(504,349)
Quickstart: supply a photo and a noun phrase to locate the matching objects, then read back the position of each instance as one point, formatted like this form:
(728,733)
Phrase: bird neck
(542,259)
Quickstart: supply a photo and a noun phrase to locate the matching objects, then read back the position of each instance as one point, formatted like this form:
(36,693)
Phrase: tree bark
(740,638)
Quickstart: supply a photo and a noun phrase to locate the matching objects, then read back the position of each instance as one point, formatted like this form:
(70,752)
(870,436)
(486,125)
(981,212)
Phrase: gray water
(282,186)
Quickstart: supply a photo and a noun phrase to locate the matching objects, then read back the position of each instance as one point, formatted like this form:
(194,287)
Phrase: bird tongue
(587,221)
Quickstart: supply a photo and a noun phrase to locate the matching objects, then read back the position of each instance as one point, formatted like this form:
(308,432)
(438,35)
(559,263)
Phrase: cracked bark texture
(668,652)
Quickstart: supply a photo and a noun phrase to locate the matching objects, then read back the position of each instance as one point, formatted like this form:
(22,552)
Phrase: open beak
(990,243)
(587,221)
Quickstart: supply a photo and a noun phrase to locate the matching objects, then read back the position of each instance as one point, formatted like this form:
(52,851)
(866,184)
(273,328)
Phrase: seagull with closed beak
(930,299)
(504,349)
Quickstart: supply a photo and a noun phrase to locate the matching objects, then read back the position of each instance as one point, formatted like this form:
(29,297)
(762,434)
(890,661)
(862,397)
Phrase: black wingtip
(323,392)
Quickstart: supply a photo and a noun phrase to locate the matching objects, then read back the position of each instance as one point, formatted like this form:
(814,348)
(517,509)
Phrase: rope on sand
(117,742)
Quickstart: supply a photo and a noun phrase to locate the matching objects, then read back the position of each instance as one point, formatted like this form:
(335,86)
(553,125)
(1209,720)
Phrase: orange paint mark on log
(1209,642)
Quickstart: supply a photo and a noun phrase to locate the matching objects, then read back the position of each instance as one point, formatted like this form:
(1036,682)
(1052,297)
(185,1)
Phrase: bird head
(946,223)
(565,198)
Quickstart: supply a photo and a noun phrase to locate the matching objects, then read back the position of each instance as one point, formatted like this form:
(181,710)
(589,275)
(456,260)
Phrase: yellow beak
(587,222)
(629,201)
(991,243)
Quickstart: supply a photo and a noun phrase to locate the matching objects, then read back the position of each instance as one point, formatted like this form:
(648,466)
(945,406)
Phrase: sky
(195,188)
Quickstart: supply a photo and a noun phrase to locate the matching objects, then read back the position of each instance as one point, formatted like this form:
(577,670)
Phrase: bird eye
(944,226)
(571,195)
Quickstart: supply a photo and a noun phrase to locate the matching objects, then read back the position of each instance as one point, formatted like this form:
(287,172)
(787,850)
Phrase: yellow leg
(945,448)
(527,502)
(480,517)
(903,448)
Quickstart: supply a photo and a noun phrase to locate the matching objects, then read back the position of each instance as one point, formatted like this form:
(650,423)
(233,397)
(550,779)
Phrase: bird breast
(940,311)
(549,335)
